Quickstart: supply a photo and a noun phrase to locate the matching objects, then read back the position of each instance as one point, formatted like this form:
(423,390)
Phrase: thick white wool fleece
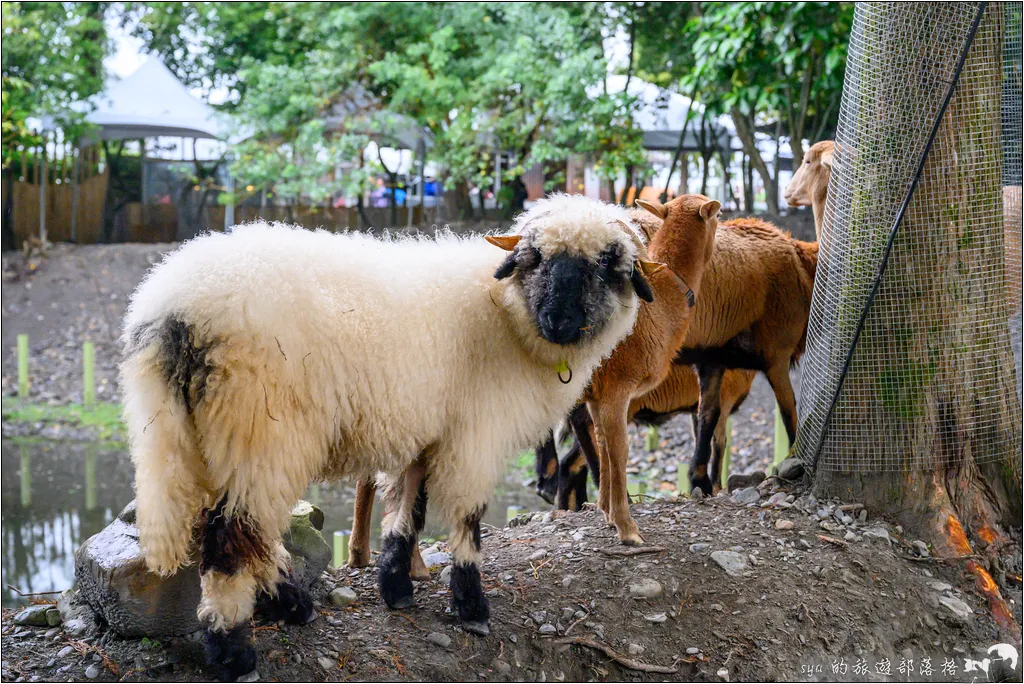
(343,355)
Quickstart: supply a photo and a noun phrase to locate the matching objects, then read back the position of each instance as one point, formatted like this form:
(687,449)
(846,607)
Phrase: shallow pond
(55,495)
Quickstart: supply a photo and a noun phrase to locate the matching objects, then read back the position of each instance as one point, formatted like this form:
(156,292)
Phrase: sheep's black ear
(640,284)
(508,266)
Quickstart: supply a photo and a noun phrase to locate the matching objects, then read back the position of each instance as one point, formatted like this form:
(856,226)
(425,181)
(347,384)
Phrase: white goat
(260,360)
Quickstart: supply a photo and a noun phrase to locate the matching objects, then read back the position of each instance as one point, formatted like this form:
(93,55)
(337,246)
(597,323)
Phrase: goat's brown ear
(650,267)
(506,242)
(826,157)
(710,209)
(653,206)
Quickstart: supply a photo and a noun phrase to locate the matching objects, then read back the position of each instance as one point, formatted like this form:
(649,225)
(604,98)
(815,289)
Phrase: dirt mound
(784,589)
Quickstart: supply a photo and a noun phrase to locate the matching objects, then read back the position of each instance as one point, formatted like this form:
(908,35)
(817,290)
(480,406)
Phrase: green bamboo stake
(25,475)
(340,548)
(651,438)
(727,453)
(90,477)
(314,494)
(89,374)
(781,438)
(683,479)
(23,366)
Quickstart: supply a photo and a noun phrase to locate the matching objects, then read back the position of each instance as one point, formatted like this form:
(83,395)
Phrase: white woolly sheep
(260,360)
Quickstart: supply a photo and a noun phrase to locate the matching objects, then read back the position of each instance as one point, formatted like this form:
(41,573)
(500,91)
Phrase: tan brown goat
(643,360)
(564,482)
(359,542)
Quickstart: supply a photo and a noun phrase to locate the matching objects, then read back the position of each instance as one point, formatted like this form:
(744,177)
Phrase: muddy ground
(566,606)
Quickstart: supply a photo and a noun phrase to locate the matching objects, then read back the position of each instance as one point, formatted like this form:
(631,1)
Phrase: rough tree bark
(745,132)
(944,289)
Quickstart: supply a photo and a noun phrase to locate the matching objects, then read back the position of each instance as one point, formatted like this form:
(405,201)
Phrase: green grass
(103,419)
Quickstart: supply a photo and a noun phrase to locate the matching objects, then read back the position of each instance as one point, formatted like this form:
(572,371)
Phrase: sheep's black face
(571,296)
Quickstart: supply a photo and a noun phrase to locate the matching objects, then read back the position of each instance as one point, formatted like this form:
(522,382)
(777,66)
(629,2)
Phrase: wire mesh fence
(929,374)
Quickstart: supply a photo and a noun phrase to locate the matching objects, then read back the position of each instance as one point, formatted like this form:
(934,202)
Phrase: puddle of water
(55,495)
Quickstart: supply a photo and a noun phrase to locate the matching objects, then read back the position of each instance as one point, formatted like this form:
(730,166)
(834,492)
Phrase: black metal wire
(896,226)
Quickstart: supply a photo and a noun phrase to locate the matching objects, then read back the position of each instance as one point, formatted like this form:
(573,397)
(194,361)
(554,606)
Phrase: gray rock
(439,639)
(92,672)
(939,585)
(327,663)
(863,515)
(733,563)
(538,555)
(699,547)
(342,596)
(877,533)
(774,500)
(114,581)
(64,652)
(567,614)
(692,650)
(656,618)
(567,581)
(646,588)
(547,628)
(635,649)
(252,676)
(436,560)
(696,493)
(921,548)
(36,615)
(956,606)
(782,524)
(790,469)
(738,481)
(851,536)
(446,575)
(77,627)
(746,496)
(540,616)
(502,667)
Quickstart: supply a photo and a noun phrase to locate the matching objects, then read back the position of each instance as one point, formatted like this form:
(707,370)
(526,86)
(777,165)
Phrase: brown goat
(809,188)
(564,482)
(752,314)
(642,361)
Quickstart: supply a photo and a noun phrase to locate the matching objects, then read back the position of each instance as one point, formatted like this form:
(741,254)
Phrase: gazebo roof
(149,103)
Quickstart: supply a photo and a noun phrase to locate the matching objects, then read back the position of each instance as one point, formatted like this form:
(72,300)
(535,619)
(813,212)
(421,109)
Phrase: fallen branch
(632,550)
(835,542)
(33,593)
(617,657)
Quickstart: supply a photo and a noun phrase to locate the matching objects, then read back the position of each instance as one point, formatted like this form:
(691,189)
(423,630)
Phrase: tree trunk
(748,186)
(941,387)
(9,239)
(745,132)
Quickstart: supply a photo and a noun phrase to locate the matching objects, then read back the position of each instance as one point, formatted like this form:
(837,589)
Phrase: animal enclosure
(913,355)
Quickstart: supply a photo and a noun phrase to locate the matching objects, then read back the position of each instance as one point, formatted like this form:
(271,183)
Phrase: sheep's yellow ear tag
(506,242)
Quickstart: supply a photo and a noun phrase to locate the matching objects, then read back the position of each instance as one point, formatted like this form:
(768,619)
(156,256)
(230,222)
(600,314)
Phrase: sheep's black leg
(467,594)
(229,550)
(419,571)
(708,412)
(572,472)
(290,603)
(547,469)
(399,540)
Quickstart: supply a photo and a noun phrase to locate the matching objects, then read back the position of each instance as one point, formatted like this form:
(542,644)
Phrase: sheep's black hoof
(547,489)
(293,604)
(468,598)
(230,654)
(393,568)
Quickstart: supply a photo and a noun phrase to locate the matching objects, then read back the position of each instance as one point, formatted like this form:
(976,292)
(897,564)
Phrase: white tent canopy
(152,102)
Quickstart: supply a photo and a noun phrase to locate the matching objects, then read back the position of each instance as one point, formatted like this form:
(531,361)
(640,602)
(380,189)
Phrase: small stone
(567,580)
(540,617)
(774,500)
(547,628)
(64,652)
(342,596)
(635,649)
(851,537)
(723,674)
(939,586)
(537,555)
(92,672)
(846,520)
(446,575)
(52,632)
(577,536)
(567,614)
(656,618)
(921,548)
(502,667)
(717,607)
(699,547)
(692,650)
(436,560)
(877,534)
(76,628)
(439,639)
(783,524)
(958,607)
(646,588)
(327,663)
(738,481)
(804,544)
(863,515)
(252,676)
(746,496)
(790,469)
(733,563)
(697,494)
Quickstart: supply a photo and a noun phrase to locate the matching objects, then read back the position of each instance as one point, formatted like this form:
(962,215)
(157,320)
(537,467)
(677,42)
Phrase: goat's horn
(506,242)
(650,267)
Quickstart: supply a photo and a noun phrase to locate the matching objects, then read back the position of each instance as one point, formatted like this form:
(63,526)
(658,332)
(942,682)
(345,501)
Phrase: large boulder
(113,579)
